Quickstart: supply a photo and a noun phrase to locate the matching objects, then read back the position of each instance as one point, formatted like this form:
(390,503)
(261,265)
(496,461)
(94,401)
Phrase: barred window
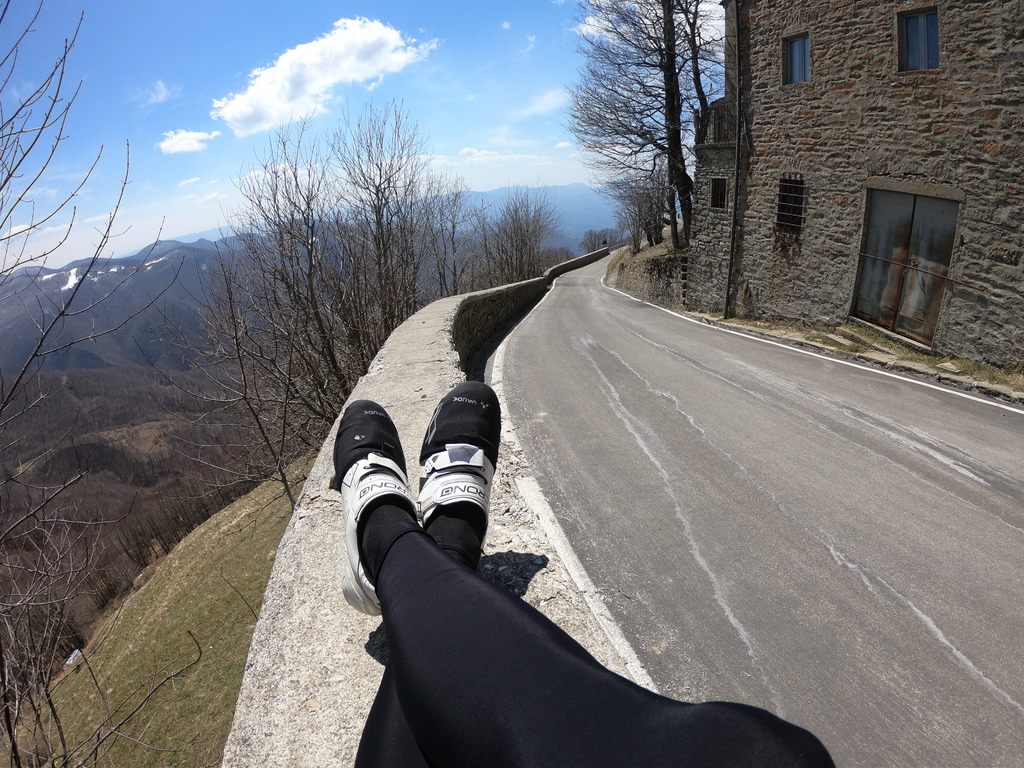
(719,189)
(792,199)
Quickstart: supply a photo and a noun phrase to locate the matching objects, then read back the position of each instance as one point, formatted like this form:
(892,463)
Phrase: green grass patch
(198,608)
(967,367)
(820,338)
(662,251)
(989,373)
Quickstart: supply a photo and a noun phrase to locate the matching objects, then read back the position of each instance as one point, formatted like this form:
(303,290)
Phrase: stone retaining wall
(477,316)
(314,664)
(660,280)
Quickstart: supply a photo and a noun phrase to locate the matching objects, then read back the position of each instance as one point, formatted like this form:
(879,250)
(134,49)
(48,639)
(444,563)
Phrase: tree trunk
(673,118)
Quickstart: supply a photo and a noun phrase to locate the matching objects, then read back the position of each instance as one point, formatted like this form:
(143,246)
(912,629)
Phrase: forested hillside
(139,395)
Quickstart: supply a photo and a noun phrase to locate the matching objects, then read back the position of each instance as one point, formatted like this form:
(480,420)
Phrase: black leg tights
(478,677)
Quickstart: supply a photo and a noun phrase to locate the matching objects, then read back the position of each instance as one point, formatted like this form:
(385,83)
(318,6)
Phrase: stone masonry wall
(660,280)
(709,241)
(861,123)
(478,316)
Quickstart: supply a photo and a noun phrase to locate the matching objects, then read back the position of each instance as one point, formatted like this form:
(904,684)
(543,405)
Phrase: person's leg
(481,678)
(367,431)
(387,740)
(370,475)
(484,679)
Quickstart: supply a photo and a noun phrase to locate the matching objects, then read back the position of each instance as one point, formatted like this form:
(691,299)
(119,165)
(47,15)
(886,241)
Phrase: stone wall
(314,664)
(480,314)
(659,280)
(709,240)
(477,316)
(860,123)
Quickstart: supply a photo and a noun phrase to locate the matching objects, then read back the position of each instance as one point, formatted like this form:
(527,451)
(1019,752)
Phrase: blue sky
(195,88)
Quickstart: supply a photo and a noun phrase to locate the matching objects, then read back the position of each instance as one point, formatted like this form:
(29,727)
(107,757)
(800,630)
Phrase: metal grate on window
(792,199)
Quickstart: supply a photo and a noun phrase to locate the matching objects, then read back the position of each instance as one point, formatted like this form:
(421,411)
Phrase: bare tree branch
(647,62)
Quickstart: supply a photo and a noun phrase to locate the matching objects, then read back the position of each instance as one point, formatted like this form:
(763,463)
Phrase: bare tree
(594,239)
(514,236)
(341,239)
(640,201)
(453,242)
(646,63)
(47,550)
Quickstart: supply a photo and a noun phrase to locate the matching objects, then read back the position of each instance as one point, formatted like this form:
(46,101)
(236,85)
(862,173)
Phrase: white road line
(965,663)
(858,366)
(534,498)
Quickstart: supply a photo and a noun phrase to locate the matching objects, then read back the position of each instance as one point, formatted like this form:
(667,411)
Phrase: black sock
(459,530)
(379,528)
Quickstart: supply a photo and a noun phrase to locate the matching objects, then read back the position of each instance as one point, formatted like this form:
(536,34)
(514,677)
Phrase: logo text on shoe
(464,400)
(375,413)
(381,485)
(464,490)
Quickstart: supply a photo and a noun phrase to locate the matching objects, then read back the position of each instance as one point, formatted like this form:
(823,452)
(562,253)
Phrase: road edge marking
(859,366)
(533,496)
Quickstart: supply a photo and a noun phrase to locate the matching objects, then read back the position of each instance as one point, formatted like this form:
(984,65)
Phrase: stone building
(880,153)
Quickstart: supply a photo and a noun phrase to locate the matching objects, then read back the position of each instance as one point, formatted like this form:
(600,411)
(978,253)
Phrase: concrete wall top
(315,664)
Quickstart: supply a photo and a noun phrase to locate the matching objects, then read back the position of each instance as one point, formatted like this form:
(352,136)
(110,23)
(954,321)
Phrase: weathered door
(907,248)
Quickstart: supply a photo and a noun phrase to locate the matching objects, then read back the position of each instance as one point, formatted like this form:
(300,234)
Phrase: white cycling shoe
(369,466)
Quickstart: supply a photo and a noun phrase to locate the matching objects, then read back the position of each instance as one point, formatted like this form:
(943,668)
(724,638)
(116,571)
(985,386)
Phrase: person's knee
(737,734)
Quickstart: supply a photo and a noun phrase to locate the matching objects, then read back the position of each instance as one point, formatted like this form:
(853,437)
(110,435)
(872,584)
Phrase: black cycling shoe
(460,449)
(369,466)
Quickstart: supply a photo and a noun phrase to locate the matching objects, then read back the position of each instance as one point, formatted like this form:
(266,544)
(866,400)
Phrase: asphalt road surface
(841,546)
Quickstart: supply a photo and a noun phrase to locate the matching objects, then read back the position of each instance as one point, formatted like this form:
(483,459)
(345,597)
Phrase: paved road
(843,547)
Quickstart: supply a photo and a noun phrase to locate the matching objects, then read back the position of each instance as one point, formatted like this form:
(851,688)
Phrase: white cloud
(506,25)
(14,232)
(490,157)
(471,155)
(186,182)
(545,103)
(159,93)
(531,41)
(563,145)
(302,79)
(591,26)
(48,192)
(213,197)
(185,141)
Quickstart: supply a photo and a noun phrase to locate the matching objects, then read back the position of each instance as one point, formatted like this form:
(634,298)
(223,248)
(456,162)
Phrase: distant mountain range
(580,207)
(160,283)
(157,283)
